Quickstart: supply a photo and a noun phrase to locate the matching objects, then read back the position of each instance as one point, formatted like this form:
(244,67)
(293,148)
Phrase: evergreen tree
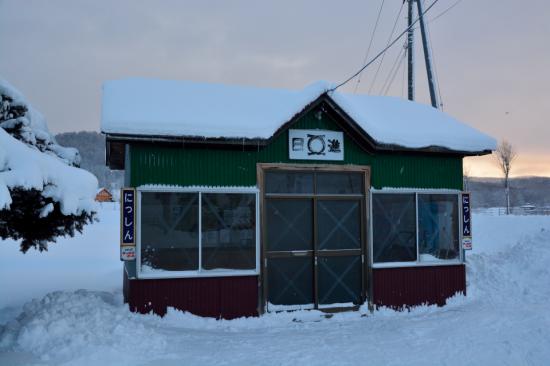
(34,216)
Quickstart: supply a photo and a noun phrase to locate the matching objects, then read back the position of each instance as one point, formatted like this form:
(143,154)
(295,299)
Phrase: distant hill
(489,192)
(92,150)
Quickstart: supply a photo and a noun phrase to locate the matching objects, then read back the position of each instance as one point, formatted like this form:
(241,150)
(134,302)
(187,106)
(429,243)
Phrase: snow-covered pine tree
(22,121)
(43,195)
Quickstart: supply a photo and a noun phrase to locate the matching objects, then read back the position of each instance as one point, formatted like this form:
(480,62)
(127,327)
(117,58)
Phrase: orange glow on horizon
(524,165)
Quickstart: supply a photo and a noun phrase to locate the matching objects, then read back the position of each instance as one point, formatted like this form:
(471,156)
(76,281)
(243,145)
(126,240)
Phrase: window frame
(200,272)
(418,262)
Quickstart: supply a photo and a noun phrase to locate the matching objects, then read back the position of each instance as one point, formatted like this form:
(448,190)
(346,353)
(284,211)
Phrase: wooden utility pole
(427,57)
(427,53)
(410,51)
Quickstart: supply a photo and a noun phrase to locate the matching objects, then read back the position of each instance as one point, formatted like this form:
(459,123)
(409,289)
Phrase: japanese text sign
(466,222)
(128,217)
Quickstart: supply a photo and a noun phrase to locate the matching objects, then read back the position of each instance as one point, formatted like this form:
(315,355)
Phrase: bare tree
(505,154)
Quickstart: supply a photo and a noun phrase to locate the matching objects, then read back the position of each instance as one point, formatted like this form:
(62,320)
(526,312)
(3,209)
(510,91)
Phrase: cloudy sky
(492,56)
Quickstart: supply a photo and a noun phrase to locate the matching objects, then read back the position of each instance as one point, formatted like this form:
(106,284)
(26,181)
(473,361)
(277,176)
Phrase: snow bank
(504,320)
(512,262)
(89,260)
(65,325)
(505,231)
(183,108)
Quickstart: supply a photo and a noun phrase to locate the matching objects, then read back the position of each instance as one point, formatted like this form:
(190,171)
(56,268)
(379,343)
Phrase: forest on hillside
(91,146)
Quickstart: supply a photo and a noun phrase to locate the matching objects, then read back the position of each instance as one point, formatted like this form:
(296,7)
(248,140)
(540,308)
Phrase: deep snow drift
(504,320)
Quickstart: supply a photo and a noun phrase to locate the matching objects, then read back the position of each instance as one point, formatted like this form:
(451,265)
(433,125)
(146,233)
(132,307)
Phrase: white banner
(128,253)
(315,145)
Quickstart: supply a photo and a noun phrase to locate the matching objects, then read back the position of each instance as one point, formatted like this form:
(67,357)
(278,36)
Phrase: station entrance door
(314,230)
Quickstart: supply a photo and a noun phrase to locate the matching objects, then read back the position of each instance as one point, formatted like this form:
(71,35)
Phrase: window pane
(289,224)
(290,281)
(339,183)
(169,231)
(338,224)
(228,231)
(339,279)
(438,226)
(394,227)
(288,182)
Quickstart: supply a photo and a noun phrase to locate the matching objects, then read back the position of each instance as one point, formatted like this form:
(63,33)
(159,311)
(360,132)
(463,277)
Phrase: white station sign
(315,145)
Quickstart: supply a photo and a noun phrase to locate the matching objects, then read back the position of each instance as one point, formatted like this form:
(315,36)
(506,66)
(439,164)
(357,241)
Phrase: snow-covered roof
(149,107)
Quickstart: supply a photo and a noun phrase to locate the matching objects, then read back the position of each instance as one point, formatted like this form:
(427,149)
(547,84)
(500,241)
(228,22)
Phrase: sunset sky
(492,57)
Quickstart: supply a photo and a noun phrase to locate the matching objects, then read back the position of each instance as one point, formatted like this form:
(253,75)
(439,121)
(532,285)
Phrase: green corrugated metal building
(326,209)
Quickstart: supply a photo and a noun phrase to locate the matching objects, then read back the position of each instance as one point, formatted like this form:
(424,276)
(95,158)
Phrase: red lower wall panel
(403,287)
(220,297)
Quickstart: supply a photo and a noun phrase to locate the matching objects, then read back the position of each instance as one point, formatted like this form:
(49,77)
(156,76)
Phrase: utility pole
(427,56)
(410,50)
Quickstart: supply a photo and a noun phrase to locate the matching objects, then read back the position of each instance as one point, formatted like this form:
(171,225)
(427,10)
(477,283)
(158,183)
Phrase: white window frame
(418,262)
(200,272)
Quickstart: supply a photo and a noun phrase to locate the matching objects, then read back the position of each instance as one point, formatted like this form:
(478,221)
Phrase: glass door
(289,255)
(339,252)
(313,239)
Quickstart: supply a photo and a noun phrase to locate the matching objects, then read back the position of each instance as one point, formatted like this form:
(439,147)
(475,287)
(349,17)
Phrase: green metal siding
(213,167)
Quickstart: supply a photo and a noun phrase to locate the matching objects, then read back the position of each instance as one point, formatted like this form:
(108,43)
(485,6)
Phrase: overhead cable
(385,49)
(403,55)
(389,40)
(445,11)
(370,43)
(390,73)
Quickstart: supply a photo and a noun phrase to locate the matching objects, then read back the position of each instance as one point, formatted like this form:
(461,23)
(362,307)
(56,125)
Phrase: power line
(397,59)
(386,48)
(445,11)
(389,40)
(370,43)
(395,73)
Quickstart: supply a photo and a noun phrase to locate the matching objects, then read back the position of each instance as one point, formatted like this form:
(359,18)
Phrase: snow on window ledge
(204,189)
(415,190)
(148,272)
(429,258)
(439,262)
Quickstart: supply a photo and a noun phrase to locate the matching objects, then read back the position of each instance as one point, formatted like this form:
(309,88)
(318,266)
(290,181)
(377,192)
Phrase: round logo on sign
(316,144)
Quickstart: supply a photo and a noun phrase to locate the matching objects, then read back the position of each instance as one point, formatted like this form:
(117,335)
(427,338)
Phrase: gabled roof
(102,189)
(145,108)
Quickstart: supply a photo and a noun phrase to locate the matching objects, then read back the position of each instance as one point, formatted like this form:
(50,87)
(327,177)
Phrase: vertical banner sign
(128,225)
(466,222)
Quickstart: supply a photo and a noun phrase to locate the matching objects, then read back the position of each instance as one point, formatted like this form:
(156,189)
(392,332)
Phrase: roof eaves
(185,140)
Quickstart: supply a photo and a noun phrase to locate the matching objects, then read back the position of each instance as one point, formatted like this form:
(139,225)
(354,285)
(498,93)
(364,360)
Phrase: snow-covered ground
(504,320)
